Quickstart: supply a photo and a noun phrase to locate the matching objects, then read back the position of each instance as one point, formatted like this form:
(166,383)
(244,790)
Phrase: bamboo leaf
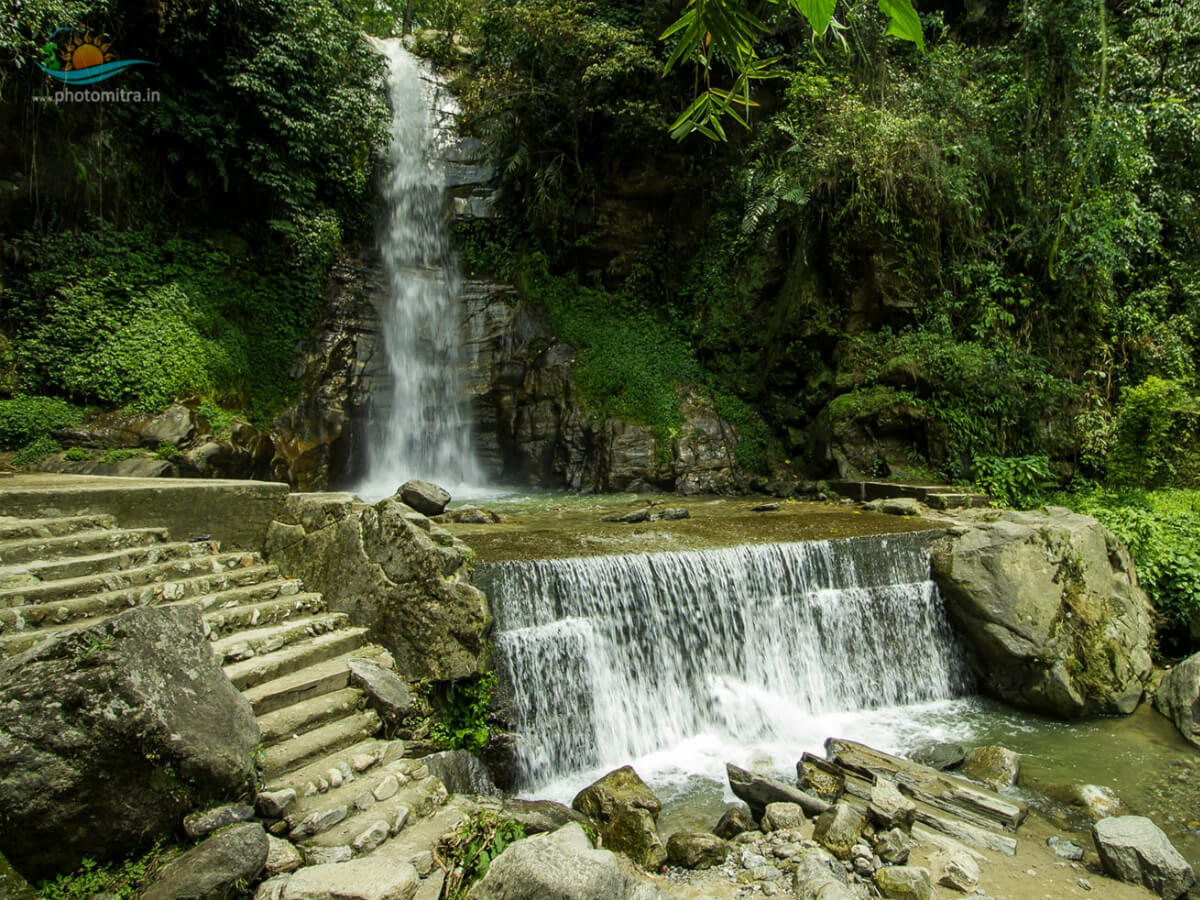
(818,12)
(904,22)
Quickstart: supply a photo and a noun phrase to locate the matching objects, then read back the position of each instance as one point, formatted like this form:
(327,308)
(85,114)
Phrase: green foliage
(726,33)
(1014,481)
(126,318)
(166,450)
(562,93)
(1156,435)
(117,454)
(463,715)
(1160,528)
(24,419)
(472,847)
(34,452)
(78,454)
(122,880)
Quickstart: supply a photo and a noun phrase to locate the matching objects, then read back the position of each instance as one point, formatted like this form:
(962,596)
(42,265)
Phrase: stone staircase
(332,787)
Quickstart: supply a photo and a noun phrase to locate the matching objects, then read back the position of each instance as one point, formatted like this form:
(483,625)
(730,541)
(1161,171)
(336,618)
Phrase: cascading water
(422,428)
(613,658)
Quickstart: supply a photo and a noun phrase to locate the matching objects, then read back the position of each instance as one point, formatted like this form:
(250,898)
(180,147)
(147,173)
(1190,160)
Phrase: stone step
(18,529)
(259,669)
(115,560)
(422,836)
(320,742)
(352,781)
(244,645)
(77,609)
(15,551)
(230,619)
(245,595)
(286,723)
(313,681)
(412,803)
(382,751)
(954,500)
(175,570)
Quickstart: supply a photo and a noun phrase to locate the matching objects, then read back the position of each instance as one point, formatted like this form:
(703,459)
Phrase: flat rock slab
(360,879)
(213,867)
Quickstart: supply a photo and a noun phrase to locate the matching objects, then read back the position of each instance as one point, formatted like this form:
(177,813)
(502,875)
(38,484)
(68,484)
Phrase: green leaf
(818,12)
(905,23)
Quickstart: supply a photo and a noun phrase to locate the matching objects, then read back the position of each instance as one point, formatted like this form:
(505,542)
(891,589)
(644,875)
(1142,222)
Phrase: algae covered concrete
(558,526)
(232,511)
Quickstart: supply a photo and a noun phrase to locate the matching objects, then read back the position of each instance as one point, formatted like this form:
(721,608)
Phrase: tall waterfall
(612,658)
(423,428)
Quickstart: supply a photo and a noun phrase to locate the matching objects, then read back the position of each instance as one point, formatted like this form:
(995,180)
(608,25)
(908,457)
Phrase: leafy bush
(77,454)
(35,452)
(166,451)
(1160,528)
(122,880)
(463,715)
(1015,481)
(25,419)
(1155,424)
(125,318)
(471,848)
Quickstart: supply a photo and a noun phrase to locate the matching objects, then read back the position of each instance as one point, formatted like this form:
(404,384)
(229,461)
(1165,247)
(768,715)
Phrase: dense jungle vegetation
(974,259)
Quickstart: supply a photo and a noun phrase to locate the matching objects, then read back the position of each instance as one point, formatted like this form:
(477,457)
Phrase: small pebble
(1085,884)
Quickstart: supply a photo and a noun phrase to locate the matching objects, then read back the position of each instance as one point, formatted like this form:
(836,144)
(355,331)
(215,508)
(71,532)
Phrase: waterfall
(611,658)
(422,427)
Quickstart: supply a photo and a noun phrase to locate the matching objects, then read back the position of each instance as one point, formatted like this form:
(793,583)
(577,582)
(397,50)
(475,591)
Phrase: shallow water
(1142,758)
(553,525)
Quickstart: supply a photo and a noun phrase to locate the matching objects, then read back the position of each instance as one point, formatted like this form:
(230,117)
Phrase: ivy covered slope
(176,247)
(975,261)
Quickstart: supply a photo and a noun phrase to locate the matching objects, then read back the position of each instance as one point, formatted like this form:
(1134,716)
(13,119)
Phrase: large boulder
(619,790)
(368,878)
(838,829)
(1050,609)
(393,572)
(562,865)
(997,767)
(1134,849)
(1178,697)
(696,850)
(625,809)
(461,772)
(425,497)
(820,877)
(12,885)
(215,869)
(111,734)
(539,816)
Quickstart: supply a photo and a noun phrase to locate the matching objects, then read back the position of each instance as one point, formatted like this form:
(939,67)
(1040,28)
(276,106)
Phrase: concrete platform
(232,511)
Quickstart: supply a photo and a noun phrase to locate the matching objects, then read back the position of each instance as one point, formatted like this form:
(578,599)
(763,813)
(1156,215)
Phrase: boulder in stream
(1178,697)
(1050,609)
(425,497)
(1134,849)
(839,828)
(997,767)
(620,789)
(733,822)
(696,850)
(759,790)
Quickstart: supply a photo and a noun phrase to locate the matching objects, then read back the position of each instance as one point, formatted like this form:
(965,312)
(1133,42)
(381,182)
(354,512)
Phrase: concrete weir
(234,512)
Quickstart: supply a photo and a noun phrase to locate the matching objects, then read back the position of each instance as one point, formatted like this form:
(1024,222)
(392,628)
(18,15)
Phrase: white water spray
(750,650)
(422,428)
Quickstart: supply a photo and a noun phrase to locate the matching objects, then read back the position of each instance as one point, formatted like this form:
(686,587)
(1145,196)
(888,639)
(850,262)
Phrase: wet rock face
(531,425)
(339,366)
(1050,609)
(129,723)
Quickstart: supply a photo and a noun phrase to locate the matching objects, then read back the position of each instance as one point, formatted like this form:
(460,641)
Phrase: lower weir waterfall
(422,427)
(613,658)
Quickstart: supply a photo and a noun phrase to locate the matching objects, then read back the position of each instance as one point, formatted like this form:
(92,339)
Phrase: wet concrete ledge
(234,512)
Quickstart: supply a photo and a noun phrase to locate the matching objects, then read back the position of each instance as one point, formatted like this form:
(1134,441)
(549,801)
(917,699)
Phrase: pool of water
(1142,758)
(547,525)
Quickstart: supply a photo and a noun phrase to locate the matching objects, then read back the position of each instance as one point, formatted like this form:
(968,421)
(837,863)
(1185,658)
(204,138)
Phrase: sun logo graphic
(77,57)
